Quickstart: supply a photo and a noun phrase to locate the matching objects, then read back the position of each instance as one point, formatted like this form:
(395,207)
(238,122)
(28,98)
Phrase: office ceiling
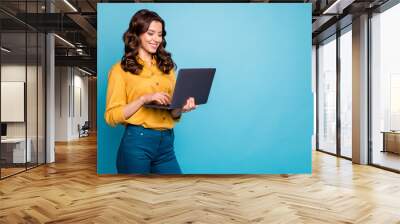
(76,22)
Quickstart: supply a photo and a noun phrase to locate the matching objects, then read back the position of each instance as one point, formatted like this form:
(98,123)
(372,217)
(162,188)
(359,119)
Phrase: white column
(360,90)
(50,110)
(50,93)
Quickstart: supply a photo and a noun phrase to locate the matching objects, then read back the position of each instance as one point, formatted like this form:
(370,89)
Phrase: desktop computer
(3,131)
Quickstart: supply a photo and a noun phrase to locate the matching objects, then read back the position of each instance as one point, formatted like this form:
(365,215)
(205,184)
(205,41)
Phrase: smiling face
(152,38)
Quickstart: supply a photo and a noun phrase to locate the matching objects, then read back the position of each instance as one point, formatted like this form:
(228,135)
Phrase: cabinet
(391,141)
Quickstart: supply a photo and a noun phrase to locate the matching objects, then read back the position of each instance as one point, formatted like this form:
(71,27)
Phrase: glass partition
(13,98)
(22,89)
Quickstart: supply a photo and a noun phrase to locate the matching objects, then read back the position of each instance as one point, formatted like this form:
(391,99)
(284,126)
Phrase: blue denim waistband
(149,130)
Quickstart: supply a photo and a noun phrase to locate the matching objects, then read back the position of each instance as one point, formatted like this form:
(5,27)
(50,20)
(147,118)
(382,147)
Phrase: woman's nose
(157,39)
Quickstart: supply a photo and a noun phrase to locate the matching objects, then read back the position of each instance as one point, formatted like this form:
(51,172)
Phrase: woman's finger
(186,104)
(158,101)
(160,98)
(192,105)
(186,107)
(165,99)
(166,95)
(190,101)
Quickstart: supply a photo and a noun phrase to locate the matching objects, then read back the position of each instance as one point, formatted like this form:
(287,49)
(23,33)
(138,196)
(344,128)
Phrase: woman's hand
(132,107)
(190,105)
(159,98)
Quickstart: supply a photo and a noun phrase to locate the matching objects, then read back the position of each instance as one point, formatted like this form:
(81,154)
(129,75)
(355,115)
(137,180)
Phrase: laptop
(191,82)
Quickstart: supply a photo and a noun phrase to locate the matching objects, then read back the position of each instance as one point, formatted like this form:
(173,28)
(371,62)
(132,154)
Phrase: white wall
(81,89)
(62,81)
(71,93)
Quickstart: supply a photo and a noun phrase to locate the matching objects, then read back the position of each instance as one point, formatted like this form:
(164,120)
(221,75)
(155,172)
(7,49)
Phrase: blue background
(259,116)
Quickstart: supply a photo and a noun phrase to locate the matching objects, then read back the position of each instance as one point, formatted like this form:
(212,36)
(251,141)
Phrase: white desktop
(18,149)
(18,146)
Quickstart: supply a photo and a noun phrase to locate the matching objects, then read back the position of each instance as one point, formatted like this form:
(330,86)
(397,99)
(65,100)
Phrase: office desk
(13,150)
(391,141)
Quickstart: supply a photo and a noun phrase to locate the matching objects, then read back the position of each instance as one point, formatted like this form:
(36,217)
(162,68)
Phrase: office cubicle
(22,77)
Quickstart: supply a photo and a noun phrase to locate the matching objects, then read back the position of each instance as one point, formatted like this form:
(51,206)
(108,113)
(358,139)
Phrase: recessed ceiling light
(338,6)
(70,5)
(65,41)
(5,50)
(84,71)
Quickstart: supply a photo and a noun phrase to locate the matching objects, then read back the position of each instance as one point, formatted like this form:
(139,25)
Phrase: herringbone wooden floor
(70,191)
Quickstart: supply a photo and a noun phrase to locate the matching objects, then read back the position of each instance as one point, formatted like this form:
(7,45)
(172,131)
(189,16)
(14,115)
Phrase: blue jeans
(144,150)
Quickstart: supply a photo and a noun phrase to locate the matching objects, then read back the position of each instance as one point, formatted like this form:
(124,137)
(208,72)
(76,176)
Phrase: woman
(145,74)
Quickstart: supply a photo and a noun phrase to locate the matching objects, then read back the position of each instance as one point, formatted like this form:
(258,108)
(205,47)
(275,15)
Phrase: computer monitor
(3,129)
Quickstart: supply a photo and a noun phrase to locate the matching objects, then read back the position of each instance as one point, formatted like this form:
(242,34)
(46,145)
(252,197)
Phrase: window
(327,95)
(385,88)
(346,92)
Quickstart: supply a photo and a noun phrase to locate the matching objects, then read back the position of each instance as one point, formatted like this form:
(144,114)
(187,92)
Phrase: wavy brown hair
(138,25)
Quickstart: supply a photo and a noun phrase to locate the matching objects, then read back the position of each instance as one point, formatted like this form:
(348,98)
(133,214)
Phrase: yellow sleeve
(116,98)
